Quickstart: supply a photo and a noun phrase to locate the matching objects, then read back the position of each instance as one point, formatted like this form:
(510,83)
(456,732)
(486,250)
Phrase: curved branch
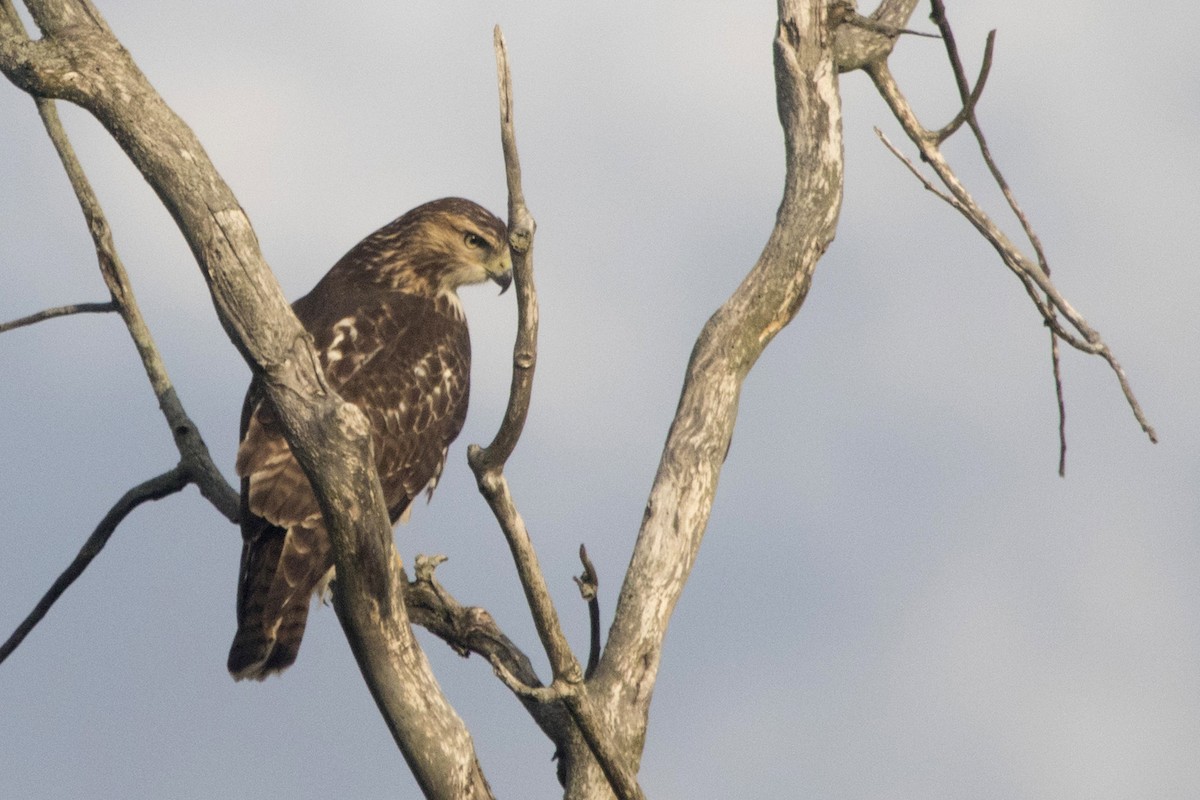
(488,467)
(589,590)
(681,496)
(156,488)
(188,441)
(83,63)
(58,311)
(521,228)
(1087,340)
(488,463)
(971,99)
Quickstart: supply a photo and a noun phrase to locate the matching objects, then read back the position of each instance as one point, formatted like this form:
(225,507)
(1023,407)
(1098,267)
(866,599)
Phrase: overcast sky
(897,596)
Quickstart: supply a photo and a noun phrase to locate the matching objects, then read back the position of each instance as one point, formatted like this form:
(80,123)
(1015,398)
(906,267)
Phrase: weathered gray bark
(598,721)
(79,60)
(735,336)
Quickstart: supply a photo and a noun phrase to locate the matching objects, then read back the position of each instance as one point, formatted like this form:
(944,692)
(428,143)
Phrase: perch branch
(78,59)
(196,465)
(154,489)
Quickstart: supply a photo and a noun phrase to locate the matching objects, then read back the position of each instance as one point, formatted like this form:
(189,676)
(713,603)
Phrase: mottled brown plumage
(392,339)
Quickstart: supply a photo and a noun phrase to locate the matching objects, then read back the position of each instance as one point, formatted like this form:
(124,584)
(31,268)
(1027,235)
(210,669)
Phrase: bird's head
(441,245)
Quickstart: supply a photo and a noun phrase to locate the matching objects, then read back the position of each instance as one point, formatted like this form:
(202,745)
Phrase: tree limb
(156,488)
(488,466)
(58,311)
(188,441)
(589,589)
(734,337)
(1080,334)
(79,60)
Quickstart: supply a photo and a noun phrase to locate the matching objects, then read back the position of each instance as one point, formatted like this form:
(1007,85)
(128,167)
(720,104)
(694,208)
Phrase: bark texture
(79,60)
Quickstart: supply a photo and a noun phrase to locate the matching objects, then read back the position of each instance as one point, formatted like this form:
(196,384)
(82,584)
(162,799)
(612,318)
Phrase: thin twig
(874,25)
(154,489)
(538,694)
(967,112)
(192,449)
(960,77)
(589,589)
(1056,363)
(521,227)
(488,464)
(58,311)
(1088,339)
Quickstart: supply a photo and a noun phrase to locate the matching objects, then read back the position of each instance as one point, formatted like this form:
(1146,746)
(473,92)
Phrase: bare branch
(195,466)
(83,63)
(156,488)
(188,441)
(681,496)
(488,464)
(1087,339)
(58,311)
(589,587)
(968,110)
(1056,364)
(521,228)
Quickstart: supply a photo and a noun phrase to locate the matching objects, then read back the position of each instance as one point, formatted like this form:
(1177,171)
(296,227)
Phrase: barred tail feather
(280,571)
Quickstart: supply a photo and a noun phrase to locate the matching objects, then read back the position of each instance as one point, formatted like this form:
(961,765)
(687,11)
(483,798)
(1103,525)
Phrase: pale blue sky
(897,598)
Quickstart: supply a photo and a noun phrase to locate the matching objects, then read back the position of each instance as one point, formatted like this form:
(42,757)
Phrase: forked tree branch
(567,685)
(196,465)
(78,59)
(1034,275)
(193,452)
(727,348)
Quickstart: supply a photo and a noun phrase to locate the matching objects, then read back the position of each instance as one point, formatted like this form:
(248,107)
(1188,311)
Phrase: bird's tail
(280,569)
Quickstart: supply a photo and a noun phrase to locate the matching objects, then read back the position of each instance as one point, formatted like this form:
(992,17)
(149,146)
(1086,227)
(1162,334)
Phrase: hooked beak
(502,279)
(502,276)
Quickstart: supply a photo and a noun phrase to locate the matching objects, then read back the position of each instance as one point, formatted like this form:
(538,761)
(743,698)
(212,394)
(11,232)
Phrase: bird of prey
(392,339)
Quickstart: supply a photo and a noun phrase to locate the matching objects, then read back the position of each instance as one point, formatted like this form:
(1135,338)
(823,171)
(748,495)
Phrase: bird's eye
(475,240)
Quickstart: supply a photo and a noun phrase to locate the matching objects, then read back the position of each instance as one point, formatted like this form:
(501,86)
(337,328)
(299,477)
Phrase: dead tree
(595,715)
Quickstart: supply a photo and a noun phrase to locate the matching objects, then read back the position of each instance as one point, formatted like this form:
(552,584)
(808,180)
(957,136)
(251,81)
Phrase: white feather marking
(343,329)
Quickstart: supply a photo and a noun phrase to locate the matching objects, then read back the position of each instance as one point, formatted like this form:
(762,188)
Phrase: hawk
(392,339)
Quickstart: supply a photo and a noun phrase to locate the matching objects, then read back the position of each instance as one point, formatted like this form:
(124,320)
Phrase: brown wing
(405,362)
